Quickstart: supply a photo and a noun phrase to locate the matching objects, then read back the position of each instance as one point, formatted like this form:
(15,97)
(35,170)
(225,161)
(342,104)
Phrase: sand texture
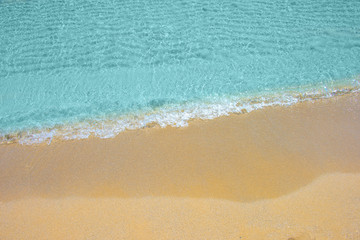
(276,173)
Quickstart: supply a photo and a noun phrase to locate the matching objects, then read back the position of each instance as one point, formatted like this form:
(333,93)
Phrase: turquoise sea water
(80,67)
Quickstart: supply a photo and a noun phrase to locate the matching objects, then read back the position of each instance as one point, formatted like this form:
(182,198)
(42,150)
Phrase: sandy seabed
(276,173)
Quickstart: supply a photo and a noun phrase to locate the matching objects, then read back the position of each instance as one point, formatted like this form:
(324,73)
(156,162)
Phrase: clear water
(68,61)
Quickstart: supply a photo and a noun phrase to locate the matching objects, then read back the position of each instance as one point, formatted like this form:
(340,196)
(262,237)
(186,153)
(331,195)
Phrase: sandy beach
(275,173)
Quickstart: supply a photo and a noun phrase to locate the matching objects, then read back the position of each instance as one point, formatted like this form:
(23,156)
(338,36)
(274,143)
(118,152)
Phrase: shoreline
(176,115)
(276,173)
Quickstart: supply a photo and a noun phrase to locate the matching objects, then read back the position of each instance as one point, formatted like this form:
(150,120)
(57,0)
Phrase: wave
(177,115)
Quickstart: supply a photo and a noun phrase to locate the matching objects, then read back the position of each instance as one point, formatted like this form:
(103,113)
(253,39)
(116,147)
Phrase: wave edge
(174,115)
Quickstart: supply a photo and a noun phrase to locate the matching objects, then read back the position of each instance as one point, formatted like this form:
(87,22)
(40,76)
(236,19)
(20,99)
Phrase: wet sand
(276,173)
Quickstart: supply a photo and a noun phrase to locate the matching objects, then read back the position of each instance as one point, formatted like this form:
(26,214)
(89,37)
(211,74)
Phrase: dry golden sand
(277,173)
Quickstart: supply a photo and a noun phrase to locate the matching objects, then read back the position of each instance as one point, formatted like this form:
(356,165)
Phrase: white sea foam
(175,115)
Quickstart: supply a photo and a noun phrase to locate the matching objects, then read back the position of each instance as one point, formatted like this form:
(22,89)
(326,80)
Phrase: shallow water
(65,62)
